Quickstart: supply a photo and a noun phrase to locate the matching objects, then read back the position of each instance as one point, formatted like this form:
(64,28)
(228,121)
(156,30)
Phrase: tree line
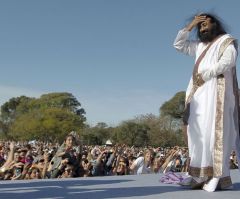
(52,116)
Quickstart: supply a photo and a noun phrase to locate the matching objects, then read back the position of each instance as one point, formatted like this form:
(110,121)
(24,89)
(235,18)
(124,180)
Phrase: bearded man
(212,108)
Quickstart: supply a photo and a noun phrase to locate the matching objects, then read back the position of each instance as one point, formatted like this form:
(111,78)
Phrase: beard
(207,36)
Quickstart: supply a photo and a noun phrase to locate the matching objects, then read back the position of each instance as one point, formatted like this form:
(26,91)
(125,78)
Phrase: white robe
(203,105)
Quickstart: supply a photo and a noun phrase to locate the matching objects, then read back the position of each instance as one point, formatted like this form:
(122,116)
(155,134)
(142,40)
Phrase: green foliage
(45,124)
(171,112)
(96,135)
(152,123)
(60,100)
(9,109)
(3,130)
(132,133)
(175,106)
(49,117)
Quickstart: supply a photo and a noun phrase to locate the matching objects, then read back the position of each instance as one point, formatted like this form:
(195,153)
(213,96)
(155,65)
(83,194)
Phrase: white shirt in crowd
(140,167)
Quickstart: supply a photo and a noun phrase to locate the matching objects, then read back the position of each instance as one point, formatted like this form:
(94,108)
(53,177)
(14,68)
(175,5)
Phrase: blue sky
(115,56)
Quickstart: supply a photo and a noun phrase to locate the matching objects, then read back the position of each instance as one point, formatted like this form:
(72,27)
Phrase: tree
(172,111)
(96,135)
(132,133)
(152,122)
(175,106)
(3,129)
(45,124)
(9,109)
(51,116)
(61,100)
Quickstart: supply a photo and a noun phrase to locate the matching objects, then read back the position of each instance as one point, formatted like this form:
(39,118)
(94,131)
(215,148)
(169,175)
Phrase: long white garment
(201,128)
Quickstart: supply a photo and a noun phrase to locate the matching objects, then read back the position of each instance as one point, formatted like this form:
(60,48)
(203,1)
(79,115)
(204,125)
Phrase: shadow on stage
(79,189)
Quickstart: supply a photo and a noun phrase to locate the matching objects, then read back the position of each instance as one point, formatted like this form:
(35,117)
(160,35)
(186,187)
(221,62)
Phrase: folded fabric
(172,178)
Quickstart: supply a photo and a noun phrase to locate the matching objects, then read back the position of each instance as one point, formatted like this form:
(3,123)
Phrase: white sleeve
(139,161)
(226,62)
(183,44)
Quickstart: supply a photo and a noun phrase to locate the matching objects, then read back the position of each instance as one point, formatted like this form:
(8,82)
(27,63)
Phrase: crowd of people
(38,160)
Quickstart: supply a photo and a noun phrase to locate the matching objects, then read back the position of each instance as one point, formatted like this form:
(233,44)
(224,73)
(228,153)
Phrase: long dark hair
(218,27)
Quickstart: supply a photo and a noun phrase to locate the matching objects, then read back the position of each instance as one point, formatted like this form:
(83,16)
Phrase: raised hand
(12,146)
(197,19)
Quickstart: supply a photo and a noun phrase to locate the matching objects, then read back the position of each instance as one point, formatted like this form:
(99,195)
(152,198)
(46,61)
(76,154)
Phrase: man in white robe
(212,101)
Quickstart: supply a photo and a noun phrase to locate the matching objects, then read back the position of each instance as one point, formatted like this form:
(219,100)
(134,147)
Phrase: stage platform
(114,187)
